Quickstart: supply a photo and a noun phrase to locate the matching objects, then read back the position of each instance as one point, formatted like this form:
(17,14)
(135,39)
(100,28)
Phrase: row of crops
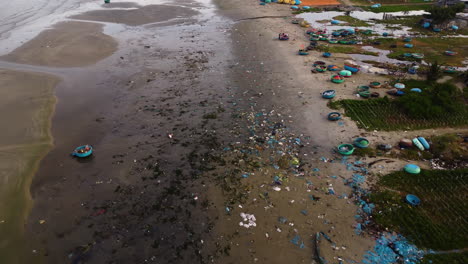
(380,114)
(439,223)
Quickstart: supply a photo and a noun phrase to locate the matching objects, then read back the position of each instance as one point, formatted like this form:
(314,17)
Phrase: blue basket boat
(83,151)
(329,94)
(351,68)
(408,45)
(334,116)
(412,168)
(326,54)
(412,200)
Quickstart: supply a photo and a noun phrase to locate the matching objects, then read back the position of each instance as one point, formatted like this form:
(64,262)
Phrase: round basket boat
(363,91)
(334,116)
(417,90)
(450,69)
(333,68)
(450,53)
(83,151)
(283,36)
(317,63)
(399,86)
(375,85)
(412,200)
(303,52)
(346,73)
(337,79)
(407,55)
(412,168)
(418,56)
(321,68)
(407,39)
(326,54)
(361,142)
(345,149)
(408,45)
(329,94)
(332,41)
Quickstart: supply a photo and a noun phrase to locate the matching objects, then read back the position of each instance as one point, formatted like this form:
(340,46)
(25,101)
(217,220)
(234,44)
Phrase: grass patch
(439,223)
(310,10)
(395,8)
(345,49)
(432,47)
(449,147)
(383,2)
(386,114)
(452,258)
(354,22)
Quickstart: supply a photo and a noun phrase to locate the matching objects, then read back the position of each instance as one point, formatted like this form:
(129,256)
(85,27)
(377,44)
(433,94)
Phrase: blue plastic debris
(393,249)
(358,229)
(297,241)
(282,220)
(245,175)
(304,212)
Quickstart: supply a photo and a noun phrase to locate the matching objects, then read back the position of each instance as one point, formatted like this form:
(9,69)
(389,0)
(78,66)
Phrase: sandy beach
(194,109)
(68,44)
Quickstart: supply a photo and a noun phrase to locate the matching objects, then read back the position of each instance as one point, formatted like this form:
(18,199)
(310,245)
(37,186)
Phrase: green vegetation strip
(395,8)
(386,114)
(439,222)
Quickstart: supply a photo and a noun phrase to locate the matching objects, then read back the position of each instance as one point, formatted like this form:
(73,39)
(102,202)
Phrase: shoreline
(28,150)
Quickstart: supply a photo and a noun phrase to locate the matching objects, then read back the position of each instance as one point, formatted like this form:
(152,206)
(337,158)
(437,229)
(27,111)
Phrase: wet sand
(169,113)
(67,44)
(140,16)
(26,104)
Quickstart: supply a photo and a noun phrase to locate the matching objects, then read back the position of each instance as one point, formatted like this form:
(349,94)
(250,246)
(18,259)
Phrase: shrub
(441,14)
(436,101)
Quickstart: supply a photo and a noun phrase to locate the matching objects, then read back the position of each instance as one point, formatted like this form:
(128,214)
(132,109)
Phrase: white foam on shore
(22,20)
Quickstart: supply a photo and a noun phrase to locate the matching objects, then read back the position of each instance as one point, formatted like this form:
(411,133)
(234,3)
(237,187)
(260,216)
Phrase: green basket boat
(337,79)
(321,68)
(361,142)
(345,149)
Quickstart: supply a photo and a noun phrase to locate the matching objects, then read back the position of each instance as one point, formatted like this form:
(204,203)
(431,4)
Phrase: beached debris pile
(391,248)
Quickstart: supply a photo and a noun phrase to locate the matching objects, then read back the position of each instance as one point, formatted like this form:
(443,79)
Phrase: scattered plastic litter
(298,242)
(393,249)
(282,220)
(248,220)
